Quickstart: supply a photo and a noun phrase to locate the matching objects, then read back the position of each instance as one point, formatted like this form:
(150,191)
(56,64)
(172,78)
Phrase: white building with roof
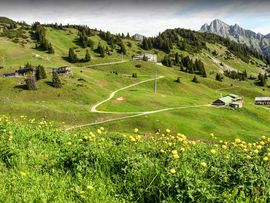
(262,101)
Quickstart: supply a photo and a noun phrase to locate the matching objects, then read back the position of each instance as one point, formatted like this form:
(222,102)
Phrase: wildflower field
(40,163)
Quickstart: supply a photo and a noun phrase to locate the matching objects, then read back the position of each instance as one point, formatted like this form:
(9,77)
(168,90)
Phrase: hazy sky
(138,16)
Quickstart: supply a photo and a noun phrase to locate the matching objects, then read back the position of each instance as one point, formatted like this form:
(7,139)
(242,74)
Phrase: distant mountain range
(254,40)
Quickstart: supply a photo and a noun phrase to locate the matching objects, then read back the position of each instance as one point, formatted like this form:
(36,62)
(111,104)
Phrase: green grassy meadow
(70,106)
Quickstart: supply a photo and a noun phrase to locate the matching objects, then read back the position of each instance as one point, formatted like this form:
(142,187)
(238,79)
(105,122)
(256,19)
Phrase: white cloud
(148,18)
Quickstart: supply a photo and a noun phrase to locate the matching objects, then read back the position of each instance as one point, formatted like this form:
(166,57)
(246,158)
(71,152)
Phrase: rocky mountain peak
(237,33)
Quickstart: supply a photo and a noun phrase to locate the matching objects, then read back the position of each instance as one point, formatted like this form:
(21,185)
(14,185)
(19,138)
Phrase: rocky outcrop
(254,40)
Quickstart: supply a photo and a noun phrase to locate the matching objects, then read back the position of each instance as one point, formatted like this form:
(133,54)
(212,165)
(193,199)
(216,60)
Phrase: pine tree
(101,50)
(219,77)
(195,80)
(167,61)
(50,49)
(123,48)
(87,56)
(30,82)
(56,82)
(72,56)
(176,60)
(90,44)
(40,73)
(145,44)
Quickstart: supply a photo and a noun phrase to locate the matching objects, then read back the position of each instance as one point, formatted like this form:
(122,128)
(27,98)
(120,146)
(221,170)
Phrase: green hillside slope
(71,105)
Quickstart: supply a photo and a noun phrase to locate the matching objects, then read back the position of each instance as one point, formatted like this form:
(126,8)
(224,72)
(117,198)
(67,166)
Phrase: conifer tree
(195,80)
(72,56)
(30,82)
(40,73)
(101,50)
(123,48)
(176,59)
(56,82)
(219,77)
(87,56)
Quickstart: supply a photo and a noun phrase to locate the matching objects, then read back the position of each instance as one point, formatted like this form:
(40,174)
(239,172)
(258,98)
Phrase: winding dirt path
(133,114)
(94,108)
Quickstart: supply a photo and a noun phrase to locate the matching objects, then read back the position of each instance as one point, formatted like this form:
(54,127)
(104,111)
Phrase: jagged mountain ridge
(252,39)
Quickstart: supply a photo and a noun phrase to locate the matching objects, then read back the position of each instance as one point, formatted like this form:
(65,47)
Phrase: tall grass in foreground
(39,163)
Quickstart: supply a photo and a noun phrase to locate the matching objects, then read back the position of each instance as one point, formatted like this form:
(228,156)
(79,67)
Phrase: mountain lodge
(231,100)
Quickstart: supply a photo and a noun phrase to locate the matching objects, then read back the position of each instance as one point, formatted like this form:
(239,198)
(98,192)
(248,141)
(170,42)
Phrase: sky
(141,16)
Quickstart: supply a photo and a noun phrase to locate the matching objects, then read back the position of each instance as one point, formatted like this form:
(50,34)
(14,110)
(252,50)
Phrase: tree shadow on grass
(49,83)
(21,87)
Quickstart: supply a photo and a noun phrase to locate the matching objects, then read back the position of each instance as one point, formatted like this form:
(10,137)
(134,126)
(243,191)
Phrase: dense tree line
(39,33)
(189,66)
(186,64)
(236,75)
(160,42)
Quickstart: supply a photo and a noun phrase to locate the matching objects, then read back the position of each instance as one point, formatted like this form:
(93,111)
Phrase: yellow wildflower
(203,164)
(213,151)
(259,147)
(136,130)
(256,151)
(172,171)
(224,147)
(266,158)
(175,156)
(99,131)
(168,130)
(23,173)
(237,140)
(162,151)
(174,152)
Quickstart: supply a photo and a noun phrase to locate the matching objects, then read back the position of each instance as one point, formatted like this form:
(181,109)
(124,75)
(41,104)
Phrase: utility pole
(155,84)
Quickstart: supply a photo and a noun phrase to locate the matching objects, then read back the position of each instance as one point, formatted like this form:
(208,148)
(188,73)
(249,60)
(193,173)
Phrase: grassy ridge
(41,163)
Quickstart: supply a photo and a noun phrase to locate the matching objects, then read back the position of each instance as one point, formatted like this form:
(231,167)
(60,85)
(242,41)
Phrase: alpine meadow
(92,115)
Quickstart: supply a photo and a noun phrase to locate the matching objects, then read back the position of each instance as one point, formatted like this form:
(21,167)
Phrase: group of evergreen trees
(262,79)
(73,58)
(160,42)
(40,73)
(39,33)
(189,66)
(193,42)
(85,41)
(186,64)
(236,75)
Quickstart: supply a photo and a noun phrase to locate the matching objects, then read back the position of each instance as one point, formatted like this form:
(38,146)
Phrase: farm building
(145,57)
(231,100)
(62,70)
(262,101)
(7,75)
(22,71)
